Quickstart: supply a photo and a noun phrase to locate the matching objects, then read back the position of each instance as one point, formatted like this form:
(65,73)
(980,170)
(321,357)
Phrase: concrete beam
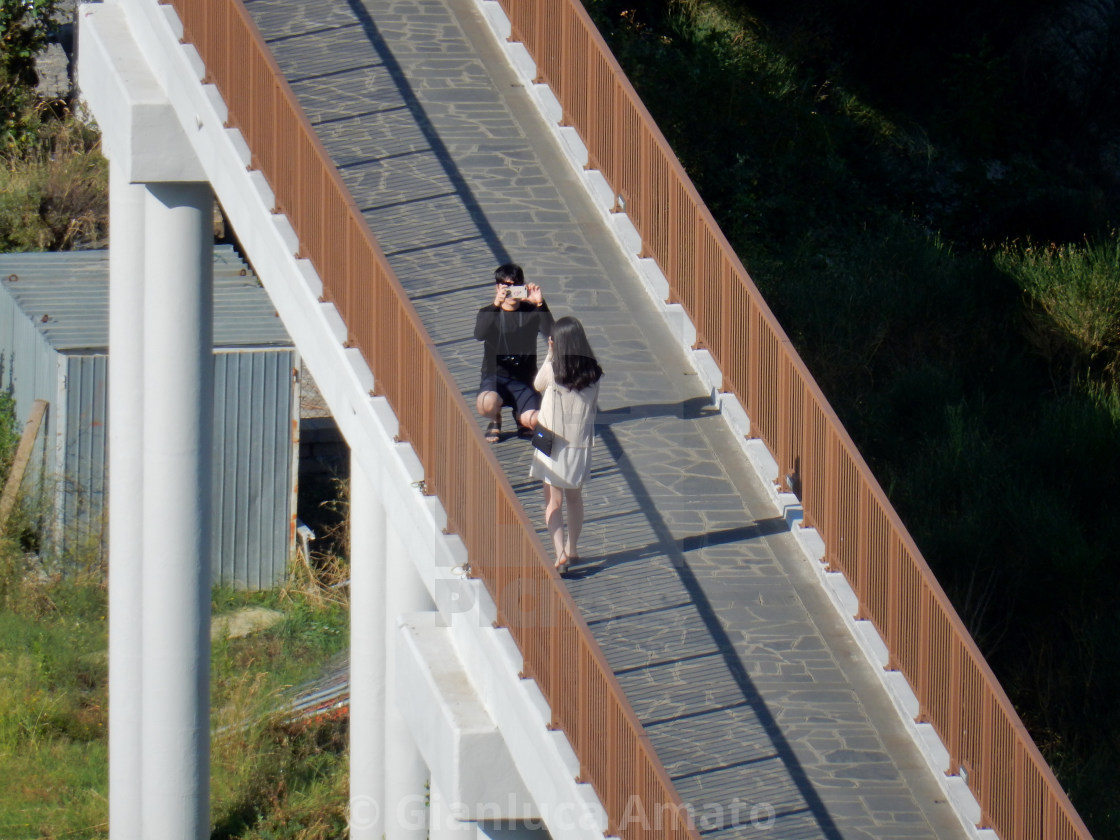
(462,746)
(139,128)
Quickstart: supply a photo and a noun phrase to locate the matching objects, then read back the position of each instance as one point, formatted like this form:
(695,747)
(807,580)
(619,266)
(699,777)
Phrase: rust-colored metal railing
(864,538)
(557,647)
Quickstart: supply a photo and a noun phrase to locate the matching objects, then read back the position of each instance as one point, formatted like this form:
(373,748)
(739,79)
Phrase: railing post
(925,644)
(983,773)
(953,730)
(862,571)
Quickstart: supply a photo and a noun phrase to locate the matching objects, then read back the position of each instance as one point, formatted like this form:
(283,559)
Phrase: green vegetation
(9,433)
(54,193)
(25,26)
(53,750)
(271,777)
(887,172)
(53,181)
(1074,293)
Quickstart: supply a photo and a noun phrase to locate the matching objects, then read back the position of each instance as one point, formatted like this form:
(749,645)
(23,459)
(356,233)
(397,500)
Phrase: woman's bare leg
(554,518)
(574,500)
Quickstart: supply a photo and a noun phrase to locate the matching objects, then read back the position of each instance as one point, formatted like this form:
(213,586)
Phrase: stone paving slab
(759,703)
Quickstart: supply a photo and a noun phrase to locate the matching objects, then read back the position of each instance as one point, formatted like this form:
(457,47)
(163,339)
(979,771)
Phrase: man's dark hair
(509,273)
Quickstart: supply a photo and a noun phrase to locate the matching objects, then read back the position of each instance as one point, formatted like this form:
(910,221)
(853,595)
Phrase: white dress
(570,415)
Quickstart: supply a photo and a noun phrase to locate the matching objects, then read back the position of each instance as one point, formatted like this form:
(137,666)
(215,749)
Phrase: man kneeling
(509,327)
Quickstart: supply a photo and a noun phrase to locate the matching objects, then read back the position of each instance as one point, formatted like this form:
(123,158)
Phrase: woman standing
(569,384)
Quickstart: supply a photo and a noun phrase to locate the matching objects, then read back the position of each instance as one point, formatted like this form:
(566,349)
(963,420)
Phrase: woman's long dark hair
(573,360)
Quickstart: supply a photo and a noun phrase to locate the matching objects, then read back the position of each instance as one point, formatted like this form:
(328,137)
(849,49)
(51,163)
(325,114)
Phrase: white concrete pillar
(178,415)
(406,774)
(367,658)
(444,818)
(126,406)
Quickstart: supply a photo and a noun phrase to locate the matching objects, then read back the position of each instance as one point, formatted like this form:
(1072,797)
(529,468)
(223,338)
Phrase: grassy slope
(270,779)
(53,751)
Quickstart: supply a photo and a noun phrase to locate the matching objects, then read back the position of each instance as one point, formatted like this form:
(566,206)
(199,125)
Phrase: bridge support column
(367,657)
(178,415)
(406,774)
(161,412)
(126,492)
(447,818)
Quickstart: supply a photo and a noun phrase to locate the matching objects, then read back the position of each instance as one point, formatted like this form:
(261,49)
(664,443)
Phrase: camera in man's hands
(518,292)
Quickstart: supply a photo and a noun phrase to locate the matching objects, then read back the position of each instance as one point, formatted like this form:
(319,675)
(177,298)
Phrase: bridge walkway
(758,701)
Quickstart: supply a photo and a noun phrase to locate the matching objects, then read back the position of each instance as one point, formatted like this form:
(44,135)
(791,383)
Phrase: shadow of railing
(737,734)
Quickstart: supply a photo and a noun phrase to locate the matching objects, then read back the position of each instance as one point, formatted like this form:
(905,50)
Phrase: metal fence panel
(253,467)
(53,338)
(81,503)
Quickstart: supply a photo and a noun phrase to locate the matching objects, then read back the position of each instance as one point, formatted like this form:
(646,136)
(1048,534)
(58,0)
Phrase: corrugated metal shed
(53,346)
(66,296)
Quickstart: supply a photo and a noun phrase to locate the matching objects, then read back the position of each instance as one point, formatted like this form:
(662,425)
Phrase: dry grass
(54,195)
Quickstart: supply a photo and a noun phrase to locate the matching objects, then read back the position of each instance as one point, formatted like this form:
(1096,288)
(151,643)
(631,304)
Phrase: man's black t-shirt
(510,338)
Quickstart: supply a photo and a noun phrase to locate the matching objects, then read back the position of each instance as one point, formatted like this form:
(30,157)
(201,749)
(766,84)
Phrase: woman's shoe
(563,564)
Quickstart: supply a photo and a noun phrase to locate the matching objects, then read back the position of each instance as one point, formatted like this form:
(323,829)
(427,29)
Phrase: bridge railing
(957,693)
(557,647)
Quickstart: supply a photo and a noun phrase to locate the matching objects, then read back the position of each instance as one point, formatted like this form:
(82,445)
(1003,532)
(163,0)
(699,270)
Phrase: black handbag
(543,440)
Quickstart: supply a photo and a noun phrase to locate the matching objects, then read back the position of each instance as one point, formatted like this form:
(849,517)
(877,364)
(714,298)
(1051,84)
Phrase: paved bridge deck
(756,698)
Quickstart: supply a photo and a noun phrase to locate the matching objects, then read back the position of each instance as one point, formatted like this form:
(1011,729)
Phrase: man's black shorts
(517,394)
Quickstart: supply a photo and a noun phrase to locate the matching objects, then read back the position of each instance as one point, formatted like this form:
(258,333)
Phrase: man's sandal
(494,431)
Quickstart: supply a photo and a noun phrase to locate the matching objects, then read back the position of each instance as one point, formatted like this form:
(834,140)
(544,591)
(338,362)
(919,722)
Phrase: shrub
(24,27)
(1073,294)
(54,194)
(9,434)
(53,181)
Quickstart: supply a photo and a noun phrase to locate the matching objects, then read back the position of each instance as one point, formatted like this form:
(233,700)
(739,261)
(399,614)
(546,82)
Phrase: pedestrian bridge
(753,645)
